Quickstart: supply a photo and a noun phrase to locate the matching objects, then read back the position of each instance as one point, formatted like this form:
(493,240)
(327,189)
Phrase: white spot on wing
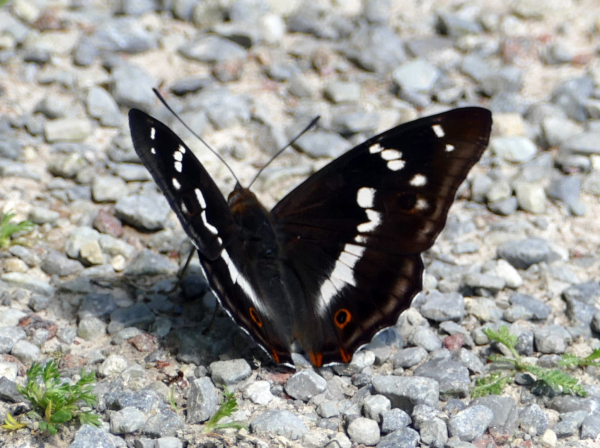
(181,149)
(176,184)
(178,156)
(360,239)
(396,165)
(421,204)
(365,197)
(152,151)
(185,210)
(342,275)
(391,154)
(152,133)
(374,221)
(449,148)
(200,198)
(239,279)
(178,167)
(439,131)
(212,229)
(418,180)
(374,149)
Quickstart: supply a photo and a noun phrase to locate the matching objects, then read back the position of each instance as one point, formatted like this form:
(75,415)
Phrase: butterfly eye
(255,317)
(342,318)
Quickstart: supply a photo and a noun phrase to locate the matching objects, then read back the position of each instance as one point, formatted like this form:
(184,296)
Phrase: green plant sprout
(228,407)
(554,378)
(53,401)
(7,229)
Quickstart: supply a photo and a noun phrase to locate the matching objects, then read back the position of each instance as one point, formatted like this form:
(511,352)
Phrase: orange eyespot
(316,358)
(346,357)
(273,353)
(255,317)
(342,318)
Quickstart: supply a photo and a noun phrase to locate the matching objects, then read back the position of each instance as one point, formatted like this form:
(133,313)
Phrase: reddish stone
(454,342)
(144,342)
(33,322)
(108,223)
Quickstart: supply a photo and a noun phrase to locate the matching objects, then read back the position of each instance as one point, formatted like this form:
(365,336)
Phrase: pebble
(279,423)
(364,431)
(305,384)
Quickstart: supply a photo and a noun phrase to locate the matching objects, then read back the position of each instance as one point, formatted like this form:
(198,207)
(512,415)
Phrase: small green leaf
(61,416)
(227,408)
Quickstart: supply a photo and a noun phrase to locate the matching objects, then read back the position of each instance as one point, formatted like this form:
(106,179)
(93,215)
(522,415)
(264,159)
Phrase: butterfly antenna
(162,100)
(310,125)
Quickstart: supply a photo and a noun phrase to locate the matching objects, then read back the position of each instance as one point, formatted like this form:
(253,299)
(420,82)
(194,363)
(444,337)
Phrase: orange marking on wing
(275,356)
(346,357)
(316,358)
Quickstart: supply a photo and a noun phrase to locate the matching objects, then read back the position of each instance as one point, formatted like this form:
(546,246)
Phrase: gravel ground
(90,285)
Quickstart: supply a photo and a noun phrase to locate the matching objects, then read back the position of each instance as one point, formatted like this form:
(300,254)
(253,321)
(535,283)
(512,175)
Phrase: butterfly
(337,259)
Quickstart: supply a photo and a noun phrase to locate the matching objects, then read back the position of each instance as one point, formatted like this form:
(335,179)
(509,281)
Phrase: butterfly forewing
(233,270)
(191,192)
(353,232)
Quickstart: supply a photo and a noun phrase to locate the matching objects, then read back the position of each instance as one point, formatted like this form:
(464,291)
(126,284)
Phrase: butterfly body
(337,259)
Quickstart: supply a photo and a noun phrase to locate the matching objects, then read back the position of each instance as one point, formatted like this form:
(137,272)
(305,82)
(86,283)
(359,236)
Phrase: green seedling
(55,402)
(554,378)
(7,228)
(228,407)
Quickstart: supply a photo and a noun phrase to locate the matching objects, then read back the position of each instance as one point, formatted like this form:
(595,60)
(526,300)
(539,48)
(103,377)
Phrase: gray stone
(452,377)
(67,130)
(26,352)
(162,424)
(405,438)
(394,420)
(305,384)
(513,149)
(375,48)
(9,336)
(506,414)
(282,423)
(552,339)
(523,253)
(533,420)
(27,281)
(57,263)
(590,428)
(434,432)
(566,189)
(143,212)
(342,92)
(348,122)
(375,406)
(90,436)
(138,315)
(259,392)
(538,309)
(531,197)
(416,76)
(230,372)
(202,400)
(569,423)
(125,34)
(407,392)
(212,48)
(442,307)
(470,423)
(364,431)
(426,338)
(132,87)
(102,106)
(91,328)
(126,420)
(319,144)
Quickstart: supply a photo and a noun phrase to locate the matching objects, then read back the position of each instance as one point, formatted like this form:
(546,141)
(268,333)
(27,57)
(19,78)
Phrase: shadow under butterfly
(337,259)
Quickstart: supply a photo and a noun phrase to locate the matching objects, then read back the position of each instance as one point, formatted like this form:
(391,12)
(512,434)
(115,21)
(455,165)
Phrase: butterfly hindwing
(352,234)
